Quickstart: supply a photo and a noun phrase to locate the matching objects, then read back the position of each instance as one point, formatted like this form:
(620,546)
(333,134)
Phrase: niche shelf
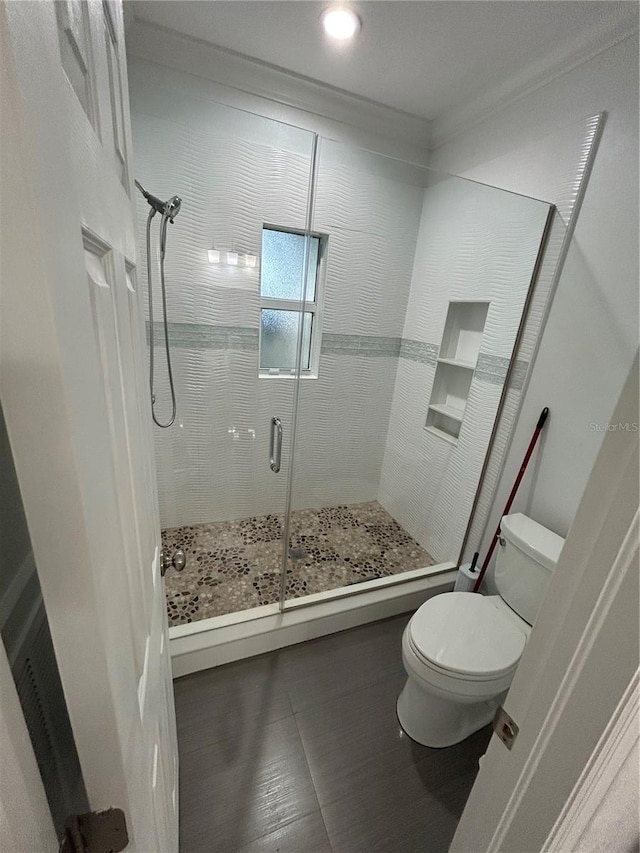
(458,362)
(458,357)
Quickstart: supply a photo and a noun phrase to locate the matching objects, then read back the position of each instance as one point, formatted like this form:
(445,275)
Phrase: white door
(571,693)
(76,400)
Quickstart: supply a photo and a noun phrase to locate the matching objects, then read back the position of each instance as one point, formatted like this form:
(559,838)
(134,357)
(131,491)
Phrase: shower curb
(211,642)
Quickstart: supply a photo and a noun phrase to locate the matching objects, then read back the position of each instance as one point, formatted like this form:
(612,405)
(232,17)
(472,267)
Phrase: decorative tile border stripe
(207,336)
(493,369)
(418,351)
(518,374)
(490,368)
(377,345)
(363,345)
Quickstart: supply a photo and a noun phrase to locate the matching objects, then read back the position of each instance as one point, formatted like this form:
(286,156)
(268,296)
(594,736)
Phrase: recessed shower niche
(458,357)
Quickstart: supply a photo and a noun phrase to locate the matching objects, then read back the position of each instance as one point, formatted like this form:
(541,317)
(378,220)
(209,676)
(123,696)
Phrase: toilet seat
(464,636)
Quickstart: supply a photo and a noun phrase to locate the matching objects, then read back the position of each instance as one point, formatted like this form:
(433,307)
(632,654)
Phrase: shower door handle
(275,445)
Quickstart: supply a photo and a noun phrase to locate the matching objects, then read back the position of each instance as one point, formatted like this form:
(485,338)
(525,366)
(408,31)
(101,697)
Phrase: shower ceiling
(424,58)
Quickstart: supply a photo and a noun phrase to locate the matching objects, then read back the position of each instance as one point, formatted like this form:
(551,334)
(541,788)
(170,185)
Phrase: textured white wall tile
(475,243)
(399,249)
(234,174)
(342,429)
(367,282)
(558,166)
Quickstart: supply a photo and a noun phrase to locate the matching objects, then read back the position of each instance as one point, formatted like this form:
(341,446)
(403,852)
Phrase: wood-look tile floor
(300,751)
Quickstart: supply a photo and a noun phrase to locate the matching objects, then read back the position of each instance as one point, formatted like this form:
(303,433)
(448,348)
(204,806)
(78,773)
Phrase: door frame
(607,791)
(577,667)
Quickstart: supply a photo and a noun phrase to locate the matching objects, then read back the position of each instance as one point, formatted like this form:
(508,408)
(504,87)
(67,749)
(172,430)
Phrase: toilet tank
(527,555)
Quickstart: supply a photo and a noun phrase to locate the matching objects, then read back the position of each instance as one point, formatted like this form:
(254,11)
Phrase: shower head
(170,208)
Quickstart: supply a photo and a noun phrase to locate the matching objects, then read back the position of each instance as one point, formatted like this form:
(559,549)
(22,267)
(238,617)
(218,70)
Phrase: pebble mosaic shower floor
(235,565)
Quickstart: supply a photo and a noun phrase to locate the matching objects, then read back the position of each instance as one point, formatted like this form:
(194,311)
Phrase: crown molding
(256,78)
(164,46)
(585,47)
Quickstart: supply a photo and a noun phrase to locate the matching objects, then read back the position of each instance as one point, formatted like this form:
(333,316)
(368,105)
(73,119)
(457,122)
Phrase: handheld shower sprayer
(168,210)
(173,207)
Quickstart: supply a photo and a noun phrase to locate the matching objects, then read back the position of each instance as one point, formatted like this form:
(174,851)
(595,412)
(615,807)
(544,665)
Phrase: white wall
(370,208)
(592,329)
(236,171)
(479,244)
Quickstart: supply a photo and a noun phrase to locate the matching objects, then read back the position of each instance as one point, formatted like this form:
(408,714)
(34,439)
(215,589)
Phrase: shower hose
(163,243)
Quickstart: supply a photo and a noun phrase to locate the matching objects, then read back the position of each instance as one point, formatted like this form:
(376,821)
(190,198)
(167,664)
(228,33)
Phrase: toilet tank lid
(538,542)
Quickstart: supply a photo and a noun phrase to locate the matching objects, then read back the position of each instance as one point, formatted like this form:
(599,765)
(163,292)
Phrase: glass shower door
(234,275)
(422,285)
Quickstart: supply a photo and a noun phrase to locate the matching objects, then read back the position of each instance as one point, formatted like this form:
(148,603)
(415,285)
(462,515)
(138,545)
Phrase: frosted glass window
(283,265)
(279,339)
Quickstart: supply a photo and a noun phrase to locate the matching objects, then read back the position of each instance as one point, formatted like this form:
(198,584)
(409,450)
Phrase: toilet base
(436,722)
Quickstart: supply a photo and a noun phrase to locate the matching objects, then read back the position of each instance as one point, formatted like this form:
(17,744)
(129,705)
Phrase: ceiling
(423,58)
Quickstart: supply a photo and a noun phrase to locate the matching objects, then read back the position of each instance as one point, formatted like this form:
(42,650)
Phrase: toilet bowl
(460,650)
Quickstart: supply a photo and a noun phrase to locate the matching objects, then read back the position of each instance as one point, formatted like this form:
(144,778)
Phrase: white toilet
(460,649)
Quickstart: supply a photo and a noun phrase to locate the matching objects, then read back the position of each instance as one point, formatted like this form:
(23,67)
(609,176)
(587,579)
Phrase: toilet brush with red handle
(523,468)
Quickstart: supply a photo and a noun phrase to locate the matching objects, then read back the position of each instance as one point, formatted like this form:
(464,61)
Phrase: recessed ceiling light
(340,23)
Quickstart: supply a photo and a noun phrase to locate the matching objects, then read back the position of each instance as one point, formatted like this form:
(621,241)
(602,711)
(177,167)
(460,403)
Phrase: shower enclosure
(342,325)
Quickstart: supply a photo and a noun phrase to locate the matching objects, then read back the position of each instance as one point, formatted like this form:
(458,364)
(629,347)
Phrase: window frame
(314,308)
